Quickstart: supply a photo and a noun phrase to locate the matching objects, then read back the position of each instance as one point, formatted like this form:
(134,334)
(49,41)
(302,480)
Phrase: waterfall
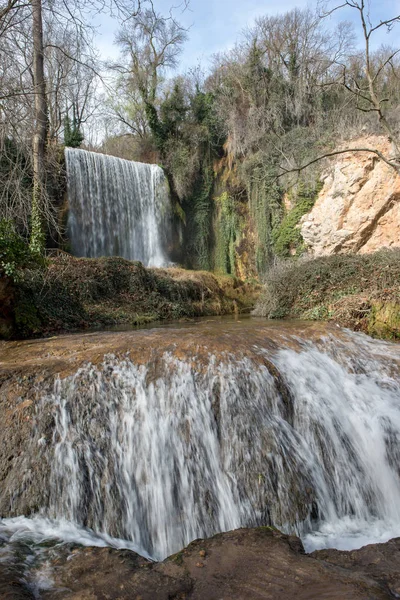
(117,207)
(303,435)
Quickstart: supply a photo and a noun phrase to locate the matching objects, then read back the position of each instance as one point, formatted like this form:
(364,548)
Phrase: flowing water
(117,207)
(185,432)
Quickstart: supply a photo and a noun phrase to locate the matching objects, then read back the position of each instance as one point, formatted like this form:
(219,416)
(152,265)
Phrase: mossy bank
(81,293)
(361,292)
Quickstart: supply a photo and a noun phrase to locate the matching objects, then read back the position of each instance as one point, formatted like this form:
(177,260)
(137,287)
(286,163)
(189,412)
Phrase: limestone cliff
(358,208)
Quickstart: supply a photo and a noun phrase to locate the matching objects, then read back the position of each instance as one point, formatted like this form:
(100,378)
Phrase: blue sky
(215,25)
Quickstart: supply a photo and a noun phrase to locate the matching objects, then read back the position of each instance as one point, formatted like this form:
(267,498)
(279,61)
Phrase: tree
(73,136)
(40,132)
(366,85)
(36,56)
(153,44)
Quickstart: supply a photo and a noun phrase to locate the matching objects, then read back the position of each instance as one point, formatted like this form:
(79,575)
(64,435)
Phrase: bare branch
(393,163)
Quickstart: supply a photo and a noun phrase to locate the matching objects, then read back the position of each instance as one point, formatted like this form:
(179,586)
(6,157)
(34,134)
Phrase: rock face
(246,563)
(358,209)
(30,372)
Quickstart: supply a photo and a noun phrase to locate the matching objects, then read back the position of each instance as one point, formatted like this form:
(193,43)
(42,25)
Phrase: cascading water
(301,434)
(117,207)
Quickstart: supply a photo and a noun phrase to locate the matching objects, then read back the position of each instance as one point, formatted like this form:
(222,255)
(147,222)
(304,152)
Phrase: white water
(117,208)
(38,530)
(152,457)
(29,543)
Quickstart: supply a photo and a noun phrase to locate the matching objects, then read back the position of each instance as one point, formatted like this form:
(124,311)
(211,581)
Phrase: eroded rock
(246,563)
(358,208)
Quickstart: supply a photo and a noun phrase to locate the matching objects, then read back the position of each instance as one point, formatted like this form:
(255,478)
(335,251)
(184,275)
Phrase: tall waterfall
(300,434)
(117,207)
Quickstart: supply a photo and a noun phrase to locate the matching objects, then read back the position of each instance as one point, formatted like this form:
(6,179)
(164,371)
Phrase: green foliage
(15,254)
(265,203)
(156,126)
(287,239)
(199,212)
(179,212)
(182,166)
(226,232)
(203,107)
(73,137)
(173,112)
(37,239)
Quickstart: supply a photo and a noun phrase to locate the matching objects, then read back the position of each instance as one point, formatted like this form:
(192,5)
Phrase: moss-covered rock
(384,319)
(287,238)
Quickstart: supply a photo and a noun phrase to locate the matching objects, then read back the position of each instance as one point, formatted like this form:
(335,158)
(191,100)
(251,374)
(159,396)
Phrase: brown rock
(247,563)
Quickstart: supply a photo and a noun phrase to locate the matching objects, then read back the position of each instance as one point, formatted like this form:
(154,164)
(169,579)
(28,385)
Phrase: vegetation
(286,236)
(357,291)
(239,143)
(15,254)
(80,293)
(226,232)
(73,137)
(268,110)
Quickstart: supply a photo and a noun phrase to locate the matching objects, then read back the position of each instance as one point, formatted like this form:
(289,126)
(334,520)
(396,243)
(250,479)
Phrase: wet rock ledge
(246,563)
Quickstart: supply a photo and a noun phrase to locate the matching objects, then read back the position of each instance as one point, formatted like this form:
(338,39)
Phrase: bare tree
(365,85)
(45,71)
(153,44)
(40,128)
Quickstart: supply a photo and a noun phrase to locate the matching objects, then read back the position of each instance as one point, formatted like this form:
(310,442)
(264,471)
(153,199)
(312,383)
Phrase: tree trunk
(40,131)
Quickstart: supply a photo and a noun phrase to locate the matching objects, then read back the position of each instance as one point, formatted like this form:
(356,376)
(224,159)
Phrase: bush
(325,287)
(77,293)
(14,251)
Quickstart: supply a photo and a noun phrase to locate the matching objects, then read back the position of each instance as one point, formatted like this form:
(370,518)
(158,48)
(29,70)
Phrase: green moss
(15,254)
(227,230)
(199,211)
(265,205)
(384,320)
(177,558)
(287,238)
(268,529)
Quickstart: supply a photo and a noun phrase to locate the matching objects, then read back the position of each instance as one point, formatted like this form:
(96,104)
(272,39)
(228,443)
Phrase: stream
(149,439)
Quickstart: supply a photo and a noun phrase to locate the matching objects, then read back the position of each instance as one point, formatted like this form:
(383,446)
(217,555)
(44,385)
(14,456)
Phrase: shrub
(296,289)
(14,251)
